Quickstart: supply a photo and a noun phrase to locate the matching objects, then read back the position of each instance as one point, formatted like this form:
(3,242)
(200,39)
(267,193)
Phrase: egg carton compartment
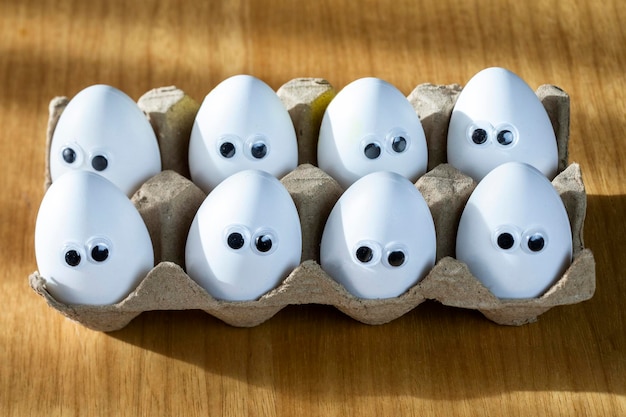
(168,202)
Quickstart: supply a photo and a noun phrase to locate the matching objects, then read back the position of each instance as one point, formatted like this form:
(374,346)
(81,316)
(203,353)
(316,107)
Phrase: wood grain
(313,360)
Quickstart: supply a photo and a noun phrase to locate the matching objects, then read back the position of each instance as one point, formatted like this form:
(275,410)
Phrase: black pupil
(372,151)
(505,137)
(259,150)
(69,155)
(99,253)
(536,242)
(506,240)
(479,136)
(227,149)
(364,254)
(99,163)
(263,243)
(235,240)
(398,144)
(72,257)
(396,258)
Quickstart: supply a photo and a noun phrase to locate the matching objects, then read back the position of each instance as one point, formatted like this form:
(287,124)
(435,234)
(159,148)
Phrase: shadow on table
(434,351)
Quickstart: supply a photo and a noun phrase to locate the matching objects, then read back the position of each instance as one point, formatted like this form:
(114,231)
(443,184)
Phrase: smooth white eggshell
(251,203)
(241,110)
(385,212)
(517,199)
(103,121)
(370,110)
(79,211)
(495,100)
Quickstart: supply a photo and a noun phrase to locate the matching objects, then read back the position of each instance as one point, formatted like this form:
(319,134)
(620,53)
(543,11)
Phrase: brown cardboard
(171,114)
(168,202)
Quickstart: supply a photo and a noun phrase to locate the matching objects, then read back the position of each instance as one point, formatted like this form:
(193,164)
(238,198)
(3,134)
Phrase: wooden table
(313,360)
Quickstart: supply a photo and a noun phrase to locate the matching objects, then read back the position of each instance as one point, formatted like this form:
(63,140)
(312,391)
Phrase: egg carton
(168,202)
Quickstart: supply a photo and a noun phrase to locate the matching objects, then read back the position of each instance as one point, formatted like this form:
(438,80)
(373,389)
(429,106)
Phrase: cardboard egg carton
(168,202)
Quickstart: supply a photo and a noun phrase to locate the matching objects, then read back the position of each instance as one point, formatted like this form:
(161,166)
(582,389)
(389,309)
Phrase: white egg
(245,238)
(91,244)
(514,233)
(241,124)
(379,239)
(496,119)
(103,130)
(371,126)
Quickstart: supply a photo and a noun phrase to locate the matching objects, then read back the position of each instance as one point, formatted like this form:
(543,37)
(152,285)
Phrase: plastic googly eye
(227,150)
(372,150)
(72,257)
(69,155)
(364,254)
(258,150)
(396,258)
(264,243)
(99,162)
(505,137)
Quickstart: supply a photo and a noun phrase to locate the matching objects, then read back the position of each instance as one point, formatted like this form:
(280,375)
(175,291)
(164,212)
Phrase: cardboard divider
(168,202)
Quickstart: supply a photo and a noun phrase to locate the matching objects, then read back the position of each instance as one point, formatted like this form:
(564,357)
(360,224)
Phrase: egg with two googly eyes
(371,126)
(514,233)
(379,239)
(241,124)
(497,118)
(91,244)
(245,238)
(102,130)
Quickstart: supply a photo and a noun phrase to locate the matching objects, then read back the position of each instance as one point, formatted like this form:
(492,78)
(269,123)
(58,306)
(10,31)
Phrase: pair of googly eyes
(98,251)
(71,156)
(483,133)
(369,253)
(508,240)
(255,147)
(396,143)
(263,242)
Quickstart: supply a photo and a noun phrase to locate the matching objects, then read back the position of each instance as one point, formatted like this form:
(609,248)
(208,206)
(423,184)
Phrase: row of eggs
(379,240)
(369,126)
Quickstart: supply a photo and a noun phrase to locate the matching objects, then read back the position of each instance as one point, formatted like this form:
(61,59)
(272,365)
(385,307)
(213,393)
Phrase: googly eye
(99,249)
(257,147)
(506,135)
(478,133)
(72,257)
(372,150)
(395,255)
(367,253)
(396,258)
(100,253)
(227,149)
(227,146)
(479,136)
(235,240)
(399,144)
(364,254)
(99,162)
(69,155)
(397,141)
(263,243)
(236,237)
(258,150)
(506,238)
(535,241)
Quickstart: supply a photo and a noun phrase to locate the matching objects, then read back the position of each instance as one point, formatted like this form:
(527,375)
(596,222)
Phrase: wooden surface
(313,360)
